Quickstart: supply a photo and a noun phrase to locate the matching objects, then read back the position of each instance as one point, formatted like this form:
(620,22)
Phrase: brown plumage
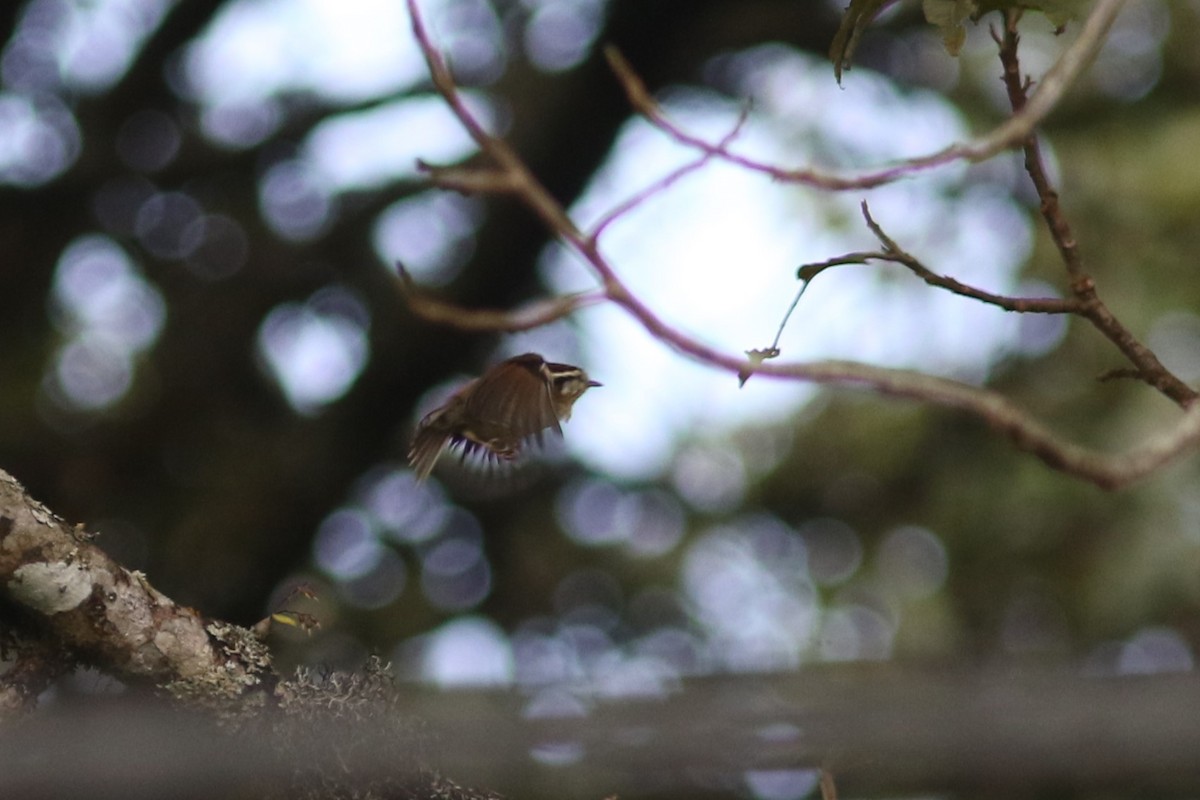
(494,415)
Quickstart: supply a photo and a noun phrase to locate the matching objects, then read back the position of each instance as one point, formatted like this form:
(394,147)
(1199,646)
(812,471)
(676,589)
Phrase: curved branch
(1011,133)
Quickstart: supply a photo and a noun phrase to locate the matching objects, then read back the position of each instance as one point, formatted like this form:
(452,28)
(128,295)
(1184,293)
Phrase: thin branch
(893,253)
(469,180)
(503,157)
(1118,374)
(1108,471)
(1027,433)
(897,255)
(1082,285)
(532,315)
(665,182)
(1073,61)
(774,348)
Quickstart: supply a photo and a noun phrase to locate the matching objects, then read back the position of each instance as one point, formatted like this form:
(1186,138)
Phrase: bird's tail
(427,446)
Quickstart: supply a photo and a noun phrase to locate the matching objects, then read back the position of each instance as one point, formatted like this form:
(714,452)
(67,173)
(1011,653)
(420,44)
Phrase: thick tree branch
(98,609)
(317,734)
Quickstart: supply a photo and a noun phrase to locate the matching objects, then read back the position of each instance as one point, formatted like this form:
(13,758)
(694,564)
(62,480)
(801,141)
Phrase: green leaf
(1060,12)
(858,16)
(950,17)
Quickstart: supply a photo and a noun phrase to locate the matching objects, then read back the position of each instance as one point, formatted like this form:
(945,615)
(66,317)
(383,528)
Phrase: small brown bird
(496,413)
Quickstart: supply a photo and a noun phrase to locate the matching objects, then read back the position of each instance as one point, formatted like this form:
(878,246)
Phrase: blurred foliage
(950,17)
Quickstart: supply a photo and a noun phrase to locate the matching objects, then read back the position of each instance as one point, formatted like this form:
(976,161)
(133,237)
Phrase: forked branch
(895,254)
(1146,365)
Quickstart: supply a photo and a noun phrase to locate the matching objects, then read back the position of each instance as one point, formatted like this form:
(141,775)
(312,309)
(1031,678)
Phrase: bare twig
(1104,470)
(532,315)
(469,180)
(665,182)
(1082,285)
(894,253)
(1011,133)
(504,159)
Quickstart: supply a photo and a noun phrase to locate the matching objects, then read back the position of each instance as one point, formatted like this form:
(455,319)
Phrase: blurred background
(205,358)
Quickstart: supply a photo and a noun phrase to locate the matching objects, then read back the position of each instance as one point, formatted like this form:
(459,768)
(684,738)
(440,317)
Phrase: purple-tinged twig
(1007,135)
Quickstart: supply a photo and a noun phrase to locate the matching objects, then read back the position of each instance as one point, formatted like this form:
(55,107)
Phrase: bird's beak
(594,383)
